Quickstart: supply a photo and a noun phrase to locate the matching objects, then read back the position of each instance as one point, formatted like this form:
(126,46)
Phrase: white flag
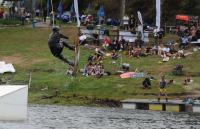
(77,12)
(141,22)
(158,14)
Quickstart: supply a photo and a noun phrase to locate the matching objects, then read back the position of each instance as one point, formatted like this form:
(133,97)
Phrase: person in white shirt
(125,22)
(184,41)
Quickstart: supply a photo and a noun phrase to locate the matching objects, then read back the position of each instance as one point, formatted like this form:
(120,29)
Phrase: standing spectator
(162,88)
(125,22)
(183,41)
(44,14)
(37,12)
(132,23)
(23,17)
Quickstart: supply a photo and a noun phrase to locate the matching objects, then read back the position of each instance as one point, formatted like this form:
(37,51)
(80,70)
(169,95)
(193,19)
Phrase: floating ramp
(13,102)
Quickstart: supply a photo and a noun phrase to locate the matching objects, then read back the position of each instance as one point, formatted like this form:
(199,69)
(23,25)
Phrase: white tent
(13,102)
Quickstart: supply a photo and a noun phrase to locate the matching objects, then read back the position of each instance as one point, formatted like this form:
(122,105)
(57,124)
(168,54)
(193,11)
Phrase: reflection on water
(62,117)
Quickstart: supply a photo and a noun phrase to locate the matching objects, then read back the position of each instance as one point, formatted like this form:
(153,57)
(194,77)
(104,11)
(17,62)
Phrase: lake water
(64,117)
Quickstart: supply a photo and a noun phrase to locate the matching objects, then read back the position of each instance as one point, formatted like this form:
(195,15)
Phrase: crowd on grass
(139,49)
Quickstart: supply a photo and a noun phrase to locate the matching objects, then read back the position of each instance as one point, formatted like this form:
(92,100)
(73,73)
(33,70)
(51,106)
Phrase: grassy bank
(27,49)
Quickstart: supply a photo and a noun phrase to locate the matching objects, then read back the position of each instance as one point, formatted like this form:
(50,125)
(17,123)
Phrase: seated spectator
(82,39)
(123,44)
(148,50)
(99,70)
(165,57)
(70,71)
(88,69)
(170,82)
(188,80)
(114,55)
(99,52)
(97,57)
(179,54)
(90,58)
(107,43)
(155,50)
(160,49)
(178,70)
(125,67)
(166,51)
(137,52)
(131,52)
(114,44)
(146,83)
(139,42)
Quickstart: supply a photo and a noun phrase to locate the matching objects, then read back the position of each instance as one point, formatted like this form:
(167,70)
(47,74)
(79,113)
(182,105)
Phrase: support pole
(123,8)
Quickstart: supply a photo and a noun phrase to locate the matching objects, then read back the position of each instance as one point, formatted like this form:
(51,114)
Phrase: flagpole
(52,12)
(77,49)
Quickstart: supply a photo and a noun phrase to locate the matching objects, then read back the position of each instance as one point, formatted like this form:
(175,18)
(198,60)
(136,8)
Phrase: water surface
(63,117)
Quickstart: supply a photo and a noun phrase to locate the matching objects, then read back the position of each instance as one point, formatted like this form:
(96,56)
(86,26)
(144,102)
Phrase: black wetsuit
(56,46)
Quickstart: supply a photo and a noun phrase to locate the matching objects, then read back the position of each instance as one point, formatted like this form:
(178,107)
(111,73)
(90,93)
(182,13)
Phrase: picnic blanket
(132,75)
(6,67)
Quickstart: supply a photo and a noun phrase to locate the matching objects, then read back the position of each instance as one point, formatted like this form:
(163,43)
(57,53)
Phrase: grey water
(72,117)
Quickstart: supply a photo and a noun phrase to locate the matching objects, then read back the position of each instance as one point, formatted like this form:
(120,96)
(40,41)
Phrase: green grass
(9,22)
(27,49)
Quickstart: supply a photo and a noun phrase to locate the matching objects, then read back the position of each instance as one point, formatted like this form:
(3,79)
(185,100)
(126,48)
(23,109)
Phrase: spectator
(114,55)
(139,42)
(106,43)
(44,14)
(132,23)
(162,88)
(178,70)
(188,80)
(146,83)
(37,12)
(125,22)
(183,41)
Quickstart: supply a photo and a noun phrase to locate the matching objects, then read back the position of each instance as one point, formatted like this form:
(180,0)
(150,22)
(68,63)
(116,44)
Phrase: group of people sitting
(94,64)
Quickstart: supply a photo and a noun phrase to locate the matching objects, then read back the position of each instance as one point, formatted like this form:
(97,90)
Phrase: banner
(141,27)
(77,12)
(101,12)
(60,8)
(89,8)
(158,14)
